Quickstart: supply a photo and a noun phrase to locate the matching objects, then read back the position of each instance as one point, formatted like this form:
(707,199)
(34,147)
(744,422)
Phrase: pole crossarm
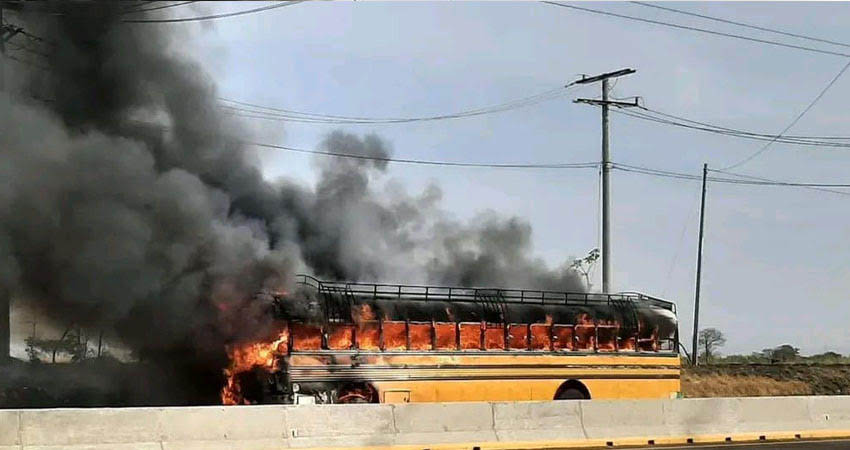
(617,73)
(597,102)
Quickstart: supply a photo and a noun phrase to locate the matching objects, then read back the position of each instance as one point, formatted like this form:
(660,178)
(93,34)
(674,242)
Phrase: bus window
(494,337)
(419,335)
(395,335)
(540,339)
(445,336)
(585,336)
(306,337)
(518,336)
(607,337)
(627,345)
(470,335)
(340,337)
(368,335)
(648,340)
(562,337)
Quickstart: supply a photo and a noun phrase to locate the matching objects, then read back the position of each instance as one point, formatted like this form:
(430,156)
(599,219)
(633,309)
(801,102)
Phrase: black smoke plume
(130,203)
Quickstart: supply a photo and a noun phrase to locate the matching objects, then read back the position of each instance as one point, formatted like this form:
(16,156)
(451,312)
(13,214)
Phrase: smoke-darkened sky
(775,269)
(775,261)
(134,203)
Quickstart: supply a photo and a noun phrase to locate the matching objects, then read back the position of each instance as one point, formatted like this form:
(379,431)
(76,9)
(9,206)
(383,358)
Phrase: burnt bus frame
(412,292)
(491,297)
(325,347)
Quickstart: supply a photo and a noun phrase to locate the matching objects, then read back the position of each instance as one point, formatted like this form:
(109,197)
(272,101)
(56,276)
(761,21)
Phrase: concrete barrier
(432,425)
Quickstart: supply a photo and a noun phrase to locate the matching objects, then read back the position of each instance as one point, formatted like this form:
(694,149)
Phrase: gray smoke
(130,203)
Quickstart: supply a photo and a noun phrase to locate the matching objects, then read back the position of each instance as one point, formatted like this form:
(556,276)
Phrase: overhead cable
(215,16)
(701,30)
(813,186)
(793,122)
(587,165)
(156,8)
(251,110)
(740,180)
(812,141)
(741,24)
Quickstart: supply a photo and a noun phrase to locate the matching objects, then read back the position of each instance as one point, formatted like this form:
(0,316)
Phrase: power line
(155,8)
(793,122)
(701,30)
(251,110)
(215,16)
(587,165)
(787,136)
(740,180)
(813,141)
(746,25)
(812,186)
(752,181)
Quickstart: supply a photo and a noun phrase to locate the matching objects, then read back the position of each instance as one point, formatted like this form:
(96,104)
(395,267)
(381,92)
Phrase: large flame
(368,333)
(245,357)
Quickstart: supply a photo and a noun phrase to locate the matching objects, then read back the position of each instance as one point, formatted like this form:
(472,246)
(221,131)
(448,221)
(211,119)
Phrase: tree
(33,351)
(829,357)
(710,339)
(782,353)
(585,265)
(68,343)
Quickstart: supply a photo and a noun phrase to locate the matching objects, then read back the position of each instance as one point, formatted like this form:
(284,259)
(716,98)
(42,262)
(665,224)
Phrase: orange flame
(341,337)
(540,339)
(245,357)
(445,335)
(470,335)
(368,335)
(518,336)
(395,335)
(420,336)
(494,338)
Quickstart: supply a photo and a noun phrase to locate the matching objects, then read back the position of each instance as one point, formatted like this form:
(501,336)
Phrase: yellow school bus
(378,343)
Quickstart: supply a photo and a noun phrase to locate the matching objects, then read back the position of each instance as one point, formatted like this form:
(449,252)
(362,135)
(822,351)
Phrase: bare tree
(585,265)
(710,339)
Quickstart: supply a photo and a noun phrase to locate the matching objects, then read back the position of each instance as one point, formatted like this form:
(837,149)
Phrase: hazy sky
(775,267)
(775,258)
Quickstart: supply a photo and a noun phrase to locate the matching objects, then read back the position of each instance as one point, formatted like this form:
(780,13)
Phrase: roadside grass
(712,385)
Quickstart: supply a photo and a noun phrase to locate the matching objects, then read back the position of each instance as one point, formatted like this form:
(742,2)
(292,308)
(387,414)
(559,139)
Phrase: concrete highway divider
(430,426)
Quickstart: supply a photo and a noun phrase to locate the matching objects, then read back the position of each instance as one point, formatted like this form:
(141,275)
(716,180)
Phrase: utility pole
(699,266)
(2,51)
(606,164)
(6,33)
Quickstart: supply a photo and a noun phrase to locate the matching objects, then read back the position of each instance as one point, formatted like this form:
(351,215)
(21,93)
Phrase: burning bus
(342,342)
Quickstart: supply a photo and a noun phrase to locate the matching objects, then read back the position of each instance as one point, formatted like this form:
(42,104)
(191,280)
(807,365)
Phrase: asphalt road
(795,445)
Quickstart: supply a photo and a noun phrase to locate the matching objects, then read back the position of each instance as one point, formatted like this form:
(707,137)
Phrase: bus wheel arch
(572,390)
(357,393)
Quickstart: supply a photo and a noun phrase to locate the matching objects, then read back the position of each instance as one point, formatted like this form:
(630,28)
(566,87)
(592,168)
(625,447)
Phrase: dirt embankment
(745,380)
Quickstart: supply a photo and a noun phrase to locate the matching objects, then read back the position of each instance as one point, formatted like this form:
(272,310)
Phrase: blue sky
(776,259)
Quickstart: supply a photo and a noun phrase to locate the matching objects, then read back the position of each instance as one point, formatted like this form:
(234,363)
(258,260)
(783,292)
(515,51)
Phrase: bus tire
(572,390)
(357,393)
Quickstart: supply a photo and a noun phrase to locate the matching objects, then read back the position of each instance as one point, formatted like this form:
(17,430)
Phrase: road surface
(791,445)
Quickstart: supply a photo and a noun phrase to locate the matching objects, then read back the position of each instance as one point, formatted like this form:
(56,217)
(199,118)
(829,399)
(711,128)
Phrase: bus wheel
(357,393)
(572,390)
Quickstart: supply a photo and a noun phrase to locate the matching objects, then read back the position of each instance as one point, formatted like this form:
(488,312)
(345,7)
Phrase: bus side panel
(511,390)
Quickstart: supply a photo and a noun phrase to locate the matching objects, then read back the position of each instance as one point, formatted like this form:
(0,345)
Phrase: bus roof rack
(378,291)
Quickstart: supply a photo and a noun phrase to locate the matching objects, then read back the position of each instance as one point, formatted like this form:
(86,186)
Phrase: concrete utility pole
(5,305)
(606,165)
(6,33)
(694,348)
(2,51)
